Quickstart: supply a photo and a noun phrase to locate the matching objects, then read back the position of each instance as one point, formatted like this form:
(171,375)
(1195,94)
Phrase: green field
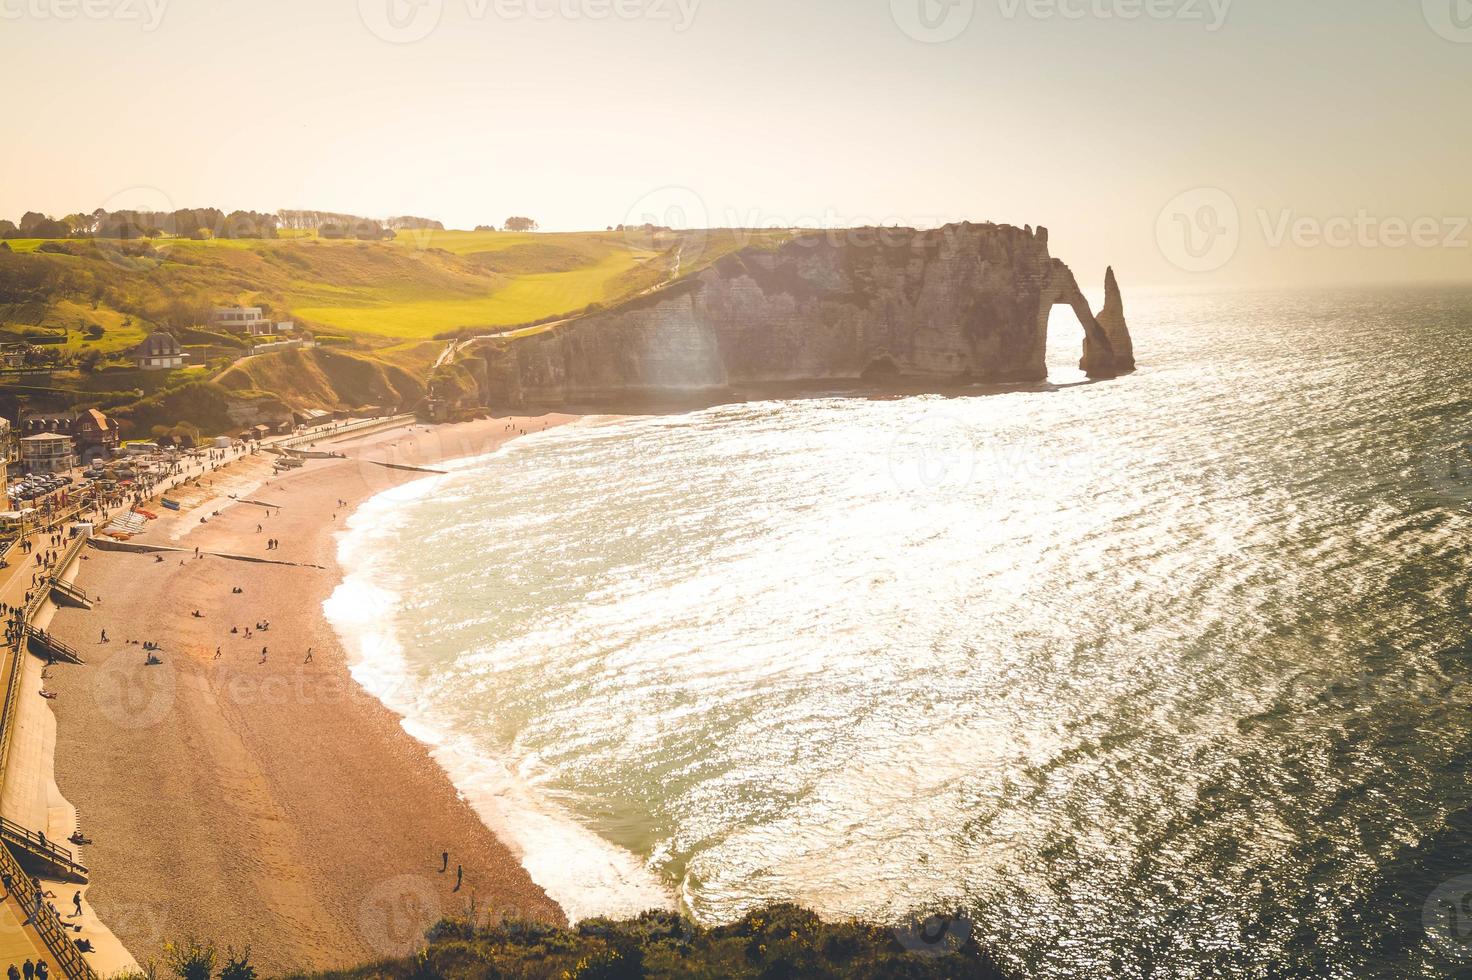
(584,269)
(419,285)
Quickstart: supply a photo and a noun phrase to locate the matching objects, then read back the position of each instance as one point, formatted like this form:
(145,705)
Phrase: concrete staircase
(41,857)
(67,594)
(43,644)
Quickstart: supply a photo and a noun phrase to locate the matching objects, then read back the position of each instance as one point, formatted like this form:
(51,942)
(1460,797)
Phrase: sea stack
(1111,319)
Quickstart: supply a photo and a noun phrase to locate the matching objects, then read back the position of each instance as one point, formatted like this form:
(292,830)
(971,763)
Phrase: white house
(158,352)
(48,452)
(247,320)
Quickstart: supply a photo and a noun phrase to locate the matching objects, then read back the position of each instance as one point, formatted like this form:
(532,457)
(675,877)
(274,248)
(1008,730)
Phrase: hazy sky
(1183,140)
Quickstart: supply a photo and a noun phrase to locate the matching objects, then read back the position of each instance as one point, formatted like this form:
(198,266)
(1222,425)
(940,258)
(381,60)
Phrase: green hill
(383,307)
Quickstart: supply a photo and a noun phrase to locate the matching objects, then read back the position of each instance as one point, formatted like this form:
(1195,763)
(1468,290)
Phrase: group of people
(29,971)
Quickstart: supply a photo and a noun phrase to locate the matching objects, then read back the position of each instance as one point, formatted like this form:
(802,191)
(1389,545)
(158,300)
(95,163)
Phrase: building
(245,320)
(47,453)
(9,448)
(96,436)
(159,352)
(36,423)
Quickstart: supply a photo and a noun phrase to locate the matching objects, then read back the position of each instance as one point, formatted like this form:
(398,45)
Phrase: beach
(239,792)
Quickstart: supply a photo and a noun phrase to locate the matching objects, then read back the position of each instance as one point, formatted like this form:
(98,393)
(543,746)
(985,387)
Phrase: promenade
(30,800)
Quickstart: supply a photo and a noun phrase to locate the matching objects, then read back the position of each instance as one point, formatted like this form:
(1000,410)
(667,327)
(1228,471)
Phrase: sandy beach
(268,804)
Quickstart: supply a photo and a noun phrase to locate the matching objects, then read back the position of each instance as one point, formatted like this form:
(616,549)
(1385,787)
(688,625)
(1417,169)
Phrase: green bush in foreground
(775,942)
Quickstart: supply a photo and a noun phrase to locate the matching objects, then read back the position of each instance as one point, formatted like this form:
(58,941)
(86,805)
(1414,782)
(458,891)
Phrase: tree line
(203,223)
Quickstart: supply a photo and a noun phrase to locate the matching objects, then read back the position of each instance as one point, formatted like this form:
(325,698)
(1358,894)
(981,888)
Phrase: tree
(8,229)
(88,360)
(520,224)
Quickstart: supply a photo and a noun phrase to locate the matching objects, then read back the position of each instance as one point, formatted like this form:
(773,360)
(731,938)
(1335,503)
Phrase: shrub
(237,966)
(192,959)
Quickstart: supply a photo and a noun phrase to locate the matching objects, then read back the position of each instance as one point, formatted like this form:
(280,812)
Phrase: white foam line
(584,873)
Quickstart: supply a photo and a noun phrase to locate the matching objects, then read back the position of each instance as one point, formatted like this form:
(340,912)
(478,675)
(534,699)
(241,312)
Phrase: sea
(1163,676)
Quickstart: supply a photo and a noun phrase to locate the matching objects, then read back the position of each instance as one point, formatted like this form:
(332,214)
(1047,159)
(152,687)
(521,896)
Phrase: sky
(1183,141)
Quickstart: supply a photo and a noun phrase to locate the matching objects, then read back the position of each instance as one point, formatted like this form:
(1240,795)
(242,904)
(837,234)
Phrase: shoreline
(584,873)
(314,818)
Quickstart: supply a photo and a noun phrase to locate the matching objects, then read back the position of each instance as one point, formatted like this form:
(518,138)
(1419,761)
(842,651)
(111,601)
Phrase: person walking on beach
(459,876)
(263,654)
(444,861)
(309,656)
(77,902)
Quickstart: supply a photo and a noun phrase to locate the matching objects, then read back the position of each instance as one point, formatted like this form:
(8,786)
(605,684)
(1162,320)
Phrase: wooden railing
(49,927)
(14,666)
(43,847)
(48,924)
(351,428)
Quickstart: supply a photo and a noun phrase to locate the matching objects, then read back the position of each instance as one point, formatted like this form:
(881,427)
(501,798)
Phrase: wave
(584,873)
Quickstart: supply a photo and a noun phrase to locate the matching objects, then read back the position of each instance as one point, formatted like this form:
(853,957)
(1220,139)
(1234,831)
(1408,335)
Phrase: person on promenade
(29,969)
(43,972)
(12,972)
(77,902)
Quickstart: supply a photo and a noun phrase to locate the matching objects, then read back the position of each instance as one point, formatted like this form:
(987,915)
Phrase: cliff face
(965,303)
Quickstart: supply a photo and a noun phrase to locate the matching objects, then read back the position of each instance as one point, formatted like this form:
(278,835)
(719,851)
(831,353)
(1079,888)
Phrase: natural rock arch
(1098,360)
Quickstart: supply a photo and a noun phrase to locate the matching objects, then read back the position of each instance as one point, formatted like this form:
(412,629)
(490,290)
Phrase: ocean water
(1163,676)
